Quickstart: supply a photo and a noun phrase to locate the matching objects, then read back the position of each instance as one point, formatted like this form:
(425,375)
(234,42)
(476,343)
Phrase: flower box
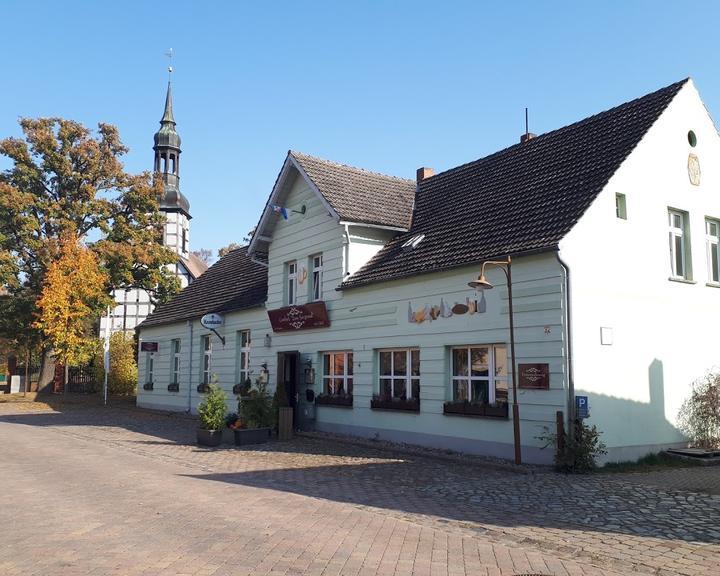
(203,388)
(476,409)
(245,436)
(173,387)
(389,403)
(342,400)
(148,386)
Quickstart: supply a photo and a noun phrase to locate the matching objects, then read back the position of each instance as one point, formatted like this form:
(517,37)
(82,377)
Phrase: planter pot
(285,423)
(148,386)
(209,437)
(228,436)
(203,388)
(173,387)
(245,436)
(403,405)
(334,400)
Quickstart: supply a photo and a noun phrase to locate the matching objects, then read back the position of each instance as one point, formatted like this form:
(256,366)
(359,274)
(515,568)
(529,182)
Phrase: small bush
(123,374)
(579,451)
(212,409)
(256,409)
(699,416)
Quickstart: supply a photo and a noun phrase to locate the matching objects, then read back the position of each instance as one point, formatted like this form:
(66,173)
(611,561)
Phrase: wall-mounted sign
(212,321)
(300,317)
(582,407)
(534,376)
(148,346)
(694,169)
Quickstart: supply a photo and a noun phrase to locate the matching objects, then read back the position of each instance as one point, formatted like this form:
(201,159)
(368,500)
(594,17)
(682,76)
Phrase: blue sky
(387,86)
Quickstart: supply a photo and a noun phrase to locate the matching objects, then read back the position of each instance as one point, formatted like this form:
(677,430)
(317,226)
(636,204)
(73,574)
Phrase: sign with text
(300,317)
(148,346)
(534,376)
(582,407)
(212,321)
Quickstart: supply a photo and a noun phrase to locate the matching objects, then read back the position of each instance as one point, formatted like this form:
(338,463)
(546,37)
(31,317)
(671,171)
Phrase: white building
(361,296)
(134,305)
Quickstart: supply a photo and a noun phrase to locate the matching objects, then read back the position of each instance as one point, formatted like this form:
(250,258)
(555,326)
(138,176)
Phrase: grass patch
(650,462)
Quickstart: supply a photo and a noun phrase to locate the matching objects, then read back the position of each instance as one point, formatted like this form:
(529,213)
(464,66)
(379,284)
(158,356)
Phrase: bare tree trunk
(47,369)
(27,372)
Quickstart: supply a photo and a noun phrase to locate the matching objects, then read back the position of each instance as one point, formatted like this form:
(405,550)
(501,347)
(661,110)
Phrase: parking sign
(582,407)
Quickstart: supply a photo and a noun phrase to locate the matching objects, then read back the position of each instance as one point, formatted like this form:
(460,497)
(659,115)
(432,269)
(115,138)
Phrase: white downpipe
(190,362)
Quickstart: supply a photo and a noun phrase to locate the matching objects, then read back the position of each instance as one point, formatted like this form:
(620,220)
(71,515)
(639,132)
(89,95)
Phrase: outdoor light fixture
(309,372)
(268,341)
(481,283)
(263,373)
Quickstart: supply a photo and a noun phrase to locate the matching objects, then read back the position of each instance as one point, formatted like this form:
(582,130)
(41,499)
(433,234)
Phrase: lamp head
(481,283)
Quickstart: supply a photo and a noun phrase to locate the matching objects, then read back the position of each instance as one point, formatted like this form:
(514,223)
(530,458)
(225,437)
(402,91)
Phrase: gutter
(190,371)
(568,337)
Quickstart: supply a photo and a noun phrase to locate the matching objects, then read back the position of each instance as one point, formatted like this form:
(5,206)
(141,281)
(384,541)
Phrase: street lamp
(482,283)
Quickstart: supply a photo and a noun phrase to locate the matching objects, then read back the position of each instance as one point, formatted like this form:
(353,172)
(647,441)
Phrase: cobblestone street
(93,491)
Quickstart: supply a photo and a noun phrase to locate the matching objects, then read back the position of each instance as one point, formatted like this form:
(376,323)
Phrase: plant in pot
(212,417)
(255,415)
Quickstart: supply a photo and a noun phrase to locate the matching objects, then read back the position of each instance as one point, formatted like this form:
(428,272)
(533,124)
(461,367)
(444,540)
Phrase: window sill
(467,409)
(682,280)
(712,284)
(396,405)
(335,401)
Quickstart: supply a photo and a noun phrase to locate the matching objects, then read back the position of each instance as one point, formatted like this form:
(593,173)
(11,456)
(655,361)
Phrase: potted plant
(212,417)
(242,388)
(256,416)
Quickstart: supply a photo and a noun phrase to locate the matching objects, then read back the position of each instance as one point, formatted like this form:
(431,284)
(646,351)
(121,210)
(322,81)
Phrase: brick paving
(92,491)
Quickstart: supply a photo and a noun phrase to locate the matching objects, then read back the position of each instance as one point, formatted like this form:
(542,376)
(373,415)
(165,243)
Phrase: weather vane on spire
(169,53)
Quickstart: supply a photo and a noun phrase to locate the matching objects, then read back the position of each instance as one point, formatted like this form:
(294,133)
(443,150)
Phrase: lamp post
(482,282)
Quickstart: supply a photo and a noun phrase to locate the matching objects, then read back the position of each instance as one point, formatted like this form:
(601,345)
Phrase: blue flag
(280,210)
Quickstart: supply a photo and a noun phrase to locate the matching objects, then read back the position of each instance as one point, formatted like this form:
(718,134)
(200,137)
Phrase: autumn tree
(227,249)
(72,296)
(65,181)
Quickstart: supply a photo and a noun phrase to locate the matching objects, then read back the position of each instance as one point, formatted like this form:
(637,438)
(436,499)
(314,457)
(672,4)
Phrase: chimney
(423,173)
(527,136)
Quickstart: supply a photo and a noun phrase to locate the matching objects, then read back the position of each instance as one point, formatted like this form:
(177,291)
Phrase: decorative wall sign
(148,346)
(302,275)
(429,313)
(300,317)
(212,321)
(534,376)
(694,169)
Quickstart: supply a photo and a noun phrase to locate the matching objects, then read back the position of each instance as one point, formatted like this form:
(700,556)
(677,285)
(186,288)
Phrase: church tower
(167,162)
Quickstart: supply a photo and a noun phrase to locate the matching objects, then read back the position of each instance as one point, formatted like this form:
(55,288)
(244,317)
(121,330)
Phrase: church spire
(168,115)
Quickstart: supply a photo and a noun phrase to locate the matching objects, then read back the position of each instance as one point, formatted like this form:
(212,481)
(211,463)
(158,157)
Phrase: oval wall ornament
(694,169)
(212,321)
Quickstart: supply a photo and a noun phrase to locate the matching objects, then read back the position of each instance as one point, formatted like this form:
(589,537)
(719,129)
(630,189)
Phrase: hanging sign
(148,346)
(300,317)
(534,376)
(212,321)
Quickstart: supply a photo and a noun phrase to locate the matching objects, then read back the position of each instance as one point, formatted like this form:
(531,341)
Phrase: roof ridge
(583,121)
(296,153)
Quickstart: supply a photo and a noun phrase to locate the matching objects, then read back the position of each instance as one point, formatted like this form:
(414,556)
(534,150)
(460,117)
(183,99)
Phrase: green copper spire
(168,115)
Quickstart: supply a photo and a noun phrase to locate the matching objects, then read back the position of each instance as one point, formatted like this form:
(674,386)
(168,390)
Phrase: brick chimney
(527,136)
(423,173)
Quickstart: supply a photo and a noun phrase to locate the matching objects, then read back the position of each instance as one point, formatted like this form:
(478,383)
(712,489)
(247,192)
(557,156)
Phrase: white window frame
(149,367)
(674,233)
(346,376)
(491,379)
(317,276)
(243,352)
(406,379)
(620,206)
(713,240)
(206,359)
(292,283)
(175,348)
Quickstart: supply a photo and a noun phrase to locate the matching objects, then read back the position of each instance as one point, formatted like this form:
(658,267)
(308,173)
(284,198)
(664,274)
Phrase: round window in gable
(692,139)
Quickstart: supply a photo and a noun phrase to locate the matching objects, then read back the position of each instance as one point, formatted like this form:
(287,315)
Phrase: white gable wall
(663,331)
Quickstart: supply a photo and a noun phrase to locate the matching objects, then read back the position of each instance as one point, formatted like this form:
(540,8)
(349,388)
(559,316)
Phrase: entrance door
(288,376)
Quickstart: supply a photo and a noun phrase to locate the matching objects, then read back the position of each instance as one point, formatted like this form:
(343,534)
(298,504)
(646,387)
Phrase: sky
(387,86)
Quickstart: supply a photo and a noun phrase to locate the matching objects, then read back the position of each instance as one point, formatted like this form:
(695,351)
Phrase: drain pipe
(568,339)
(190,372)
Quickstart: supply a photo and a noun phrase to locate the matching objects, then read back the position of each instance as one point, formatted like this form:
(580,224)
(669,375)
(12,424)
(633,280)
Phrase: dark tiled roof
(521,199)
(233,283)
(359,195)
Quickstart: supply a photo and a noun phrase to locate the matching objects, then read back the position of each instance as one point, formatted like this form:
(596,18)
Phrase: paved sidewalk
(92,490)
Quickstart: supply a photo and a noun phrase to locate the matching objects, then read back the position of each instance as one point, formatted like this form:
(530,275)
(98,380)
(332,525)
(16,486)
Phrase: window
(338,373)
(317,277)
(291,283)
(479,373)
(184,240)
(206,359)
(692,139)
(175,350)
(243,355)
(679,244)
(620,206)
(149,367)
(399,373)
(712,238)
